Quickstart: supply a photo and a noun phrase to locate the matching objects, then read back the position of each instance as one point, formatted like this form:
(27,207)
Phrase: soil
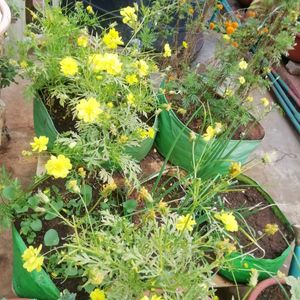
(249,197)
(252,131)
(275,292)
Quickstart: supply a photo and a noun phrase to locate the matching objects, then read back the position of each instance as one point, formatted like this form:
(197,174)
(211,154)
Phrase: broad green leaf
(87,193)
(36,225)
(130,205)
(51,238)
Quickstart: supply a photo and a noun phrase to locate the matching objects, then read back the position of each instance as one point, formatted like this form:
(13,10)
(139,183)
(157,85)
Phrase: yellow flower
(181,111)
(123,139)
(265,102)
(218,127)
(132,79)
(73,186)
(167,50)
(97,62)
(185,222)
(88,110)
(26,153)
(185,45)
(145,195)
(228,92)
(130,99)
(113,64)
(143,68)
(112,39)
(32,260)
(82,41)
(249,99)
(59,166)
(143,133)
(90,10)
(23,64)
(129,16)
(235,169)
(229,221)
(97,294)
(110,105)
(95,276)
(243,65)
(69,66)
(242,79)
(209,134)
(271,229)
(81,172)
(39,144)
(154,297)
(151,132)
(226,246)
(109,188)
(226,37)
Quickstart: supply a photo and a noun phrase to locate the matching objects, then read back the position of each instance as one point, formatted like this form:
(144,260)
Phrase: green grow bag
(170,127)
(266,267)
(43,125)
(34,285)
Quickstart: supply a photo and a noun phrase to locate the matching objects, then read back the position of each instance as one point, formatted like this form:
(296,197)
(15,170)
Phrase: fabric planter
(32,285)
(266,267)
(43,125)
(170,128)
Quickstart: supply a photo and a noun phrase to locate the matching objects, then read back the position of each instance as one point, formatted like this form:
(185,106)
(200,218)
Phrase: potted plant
(198,104)
(284,287)
(89,91)
(264,235)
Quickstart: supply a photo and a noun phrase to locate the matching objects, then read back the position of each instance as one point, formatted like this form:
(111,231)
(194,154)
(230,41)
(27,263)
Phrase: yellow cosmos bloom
(243,65)
(112,39)
(153,297)
(81,172)
(226,37)
(229,221)
(109,188)
(249,99)
(73,186)
(271,229)
(69,66)
(242,80)
(130,99)
(23,64)
(228,92)
(113,64)
(209,134)
(151,133)
(88,110)
(82,41)
(97,294)
(32,259)
(265,102)
(58,167)
(143,133)
(97,62)
(185,222)
(142,67)
(123,139)
(90,10)
(167,51)
(145,195)
(185,45)
(129,16)
(132,79)
(39,144)
(235,169)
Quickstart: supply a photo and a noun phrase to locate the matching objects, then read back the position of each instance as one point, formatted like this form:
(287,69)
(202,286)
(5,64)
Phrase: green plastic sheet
(33,285)
(239,266)
(170,127)
(43,125)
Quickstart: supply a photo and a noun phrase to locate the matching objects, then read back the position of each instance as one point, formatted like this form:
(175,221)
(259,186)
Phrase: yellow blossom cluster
(211,132)
(129,16)
(185,223)
(229,221)
(88,110)
(32,259)
(58,166)
(112,39)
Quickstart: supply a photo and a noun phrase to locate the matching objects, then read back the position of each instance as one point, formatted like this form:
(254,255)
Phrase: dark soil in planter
(252,131)
(275,292)
(273,245)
